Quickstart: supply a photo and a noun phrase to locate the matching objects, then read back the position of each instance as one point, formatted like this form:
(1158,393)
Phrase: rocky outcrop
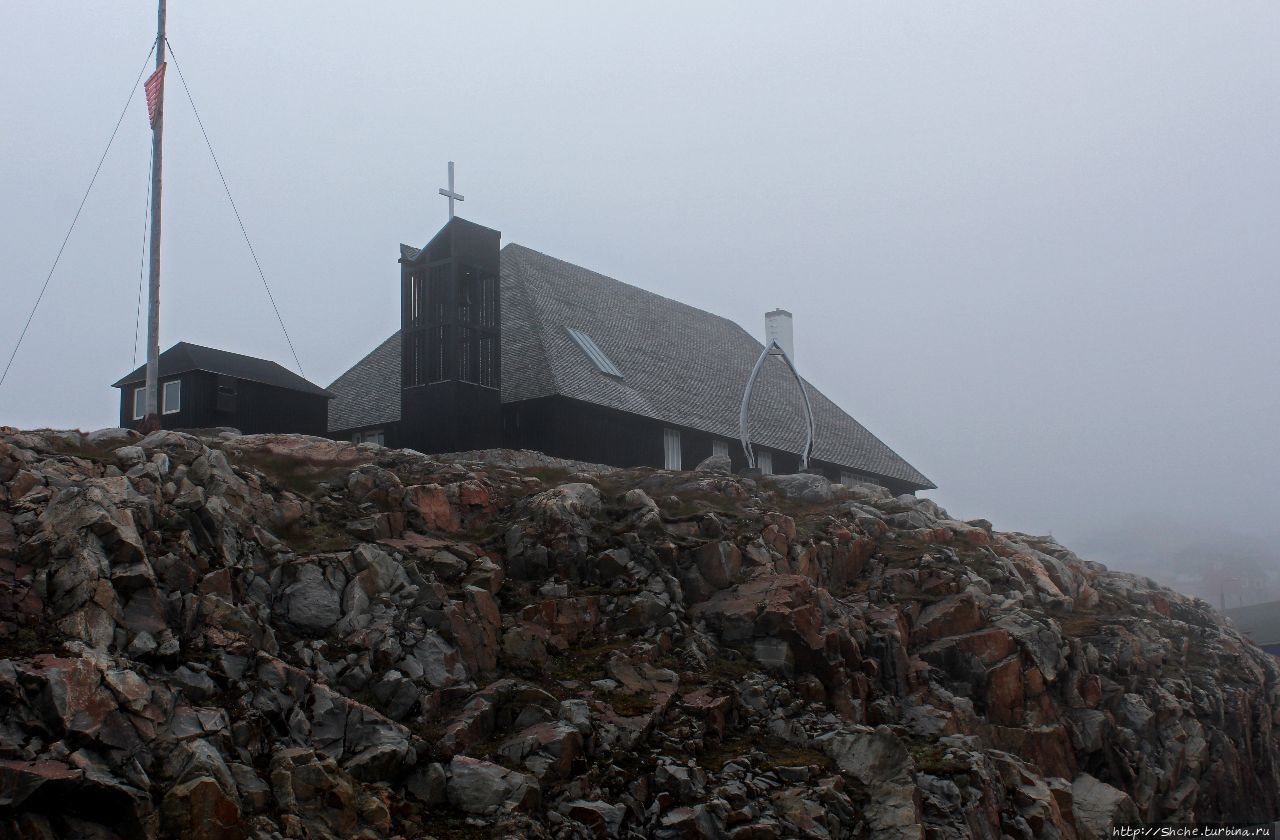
(225,636)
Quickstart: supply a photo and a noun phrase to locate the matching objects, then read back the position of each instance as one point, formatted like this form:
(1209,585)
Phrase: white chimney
(777,327)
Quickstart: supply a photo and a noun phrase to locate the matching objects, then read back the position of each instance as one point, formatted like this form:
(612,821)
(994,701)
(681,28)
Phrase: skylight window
(594,353)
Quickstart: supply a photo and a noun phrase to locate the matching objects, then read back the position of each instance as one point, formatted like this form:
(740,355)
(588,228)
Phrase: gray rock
(872,756)
(310,603)
(596,815)
(482,787)
(142,645)
(197,686)
(804,486)
(111,438)
(1098,806)
(439,662)
(716,464)
(774,654)
(379,762)
(429,784)
(182,448)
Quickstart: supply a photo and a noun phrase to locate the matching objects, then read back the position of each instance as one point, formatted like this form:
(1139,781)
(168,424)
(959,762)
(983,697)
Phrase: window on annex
(377,436)
(764,460)
(171,397)
(720,447)
(139,402)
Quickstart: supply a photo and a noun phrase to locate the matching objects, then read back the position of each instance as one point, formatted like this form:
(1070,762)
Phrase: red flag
(155,92)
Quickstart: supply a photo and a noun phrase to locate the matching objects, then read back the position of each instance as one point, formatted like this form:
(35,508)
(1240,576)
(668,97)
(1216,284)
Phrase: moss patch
(932,759)
(585,663)
(291,474)
(30,641)
(318,539)
(777,753)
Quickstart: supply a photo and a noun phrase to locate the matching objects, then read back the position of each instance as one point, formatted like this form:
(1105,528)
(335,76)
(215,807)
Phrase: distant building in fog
(1261,623)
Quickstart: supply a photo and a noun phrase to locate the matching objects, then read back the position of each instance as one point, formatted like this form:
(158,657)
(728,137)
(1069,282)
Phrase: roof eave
(318,392)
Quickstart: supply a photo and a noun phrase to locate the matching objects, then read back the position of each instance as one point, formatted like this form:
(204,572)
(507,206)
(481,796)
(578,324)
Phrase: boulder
(311,604)
(720,464)
(201,810)
(603,819)
(482,787)
(111,438)
(952,616)
(719,564)
(548,750)
(1098,807)
(804,487)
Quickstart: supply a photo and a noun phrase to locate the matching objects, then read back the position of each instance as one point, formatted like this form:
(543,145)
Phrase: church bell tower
(450,319)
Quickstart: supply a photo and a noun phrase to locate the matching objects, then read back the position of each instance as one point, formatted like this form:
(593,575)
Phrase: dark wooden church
(507,347)
(201,387)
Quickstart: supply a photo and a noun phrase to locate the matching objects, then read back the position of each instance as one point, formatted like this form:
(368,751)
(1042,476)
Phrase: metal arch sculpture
(744,433)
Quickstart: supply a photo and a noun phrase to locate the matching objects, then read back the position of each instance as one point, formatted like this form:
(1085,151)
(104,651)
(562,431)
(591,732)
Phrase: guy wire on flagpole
(234,209)
(85,198)
(142,266)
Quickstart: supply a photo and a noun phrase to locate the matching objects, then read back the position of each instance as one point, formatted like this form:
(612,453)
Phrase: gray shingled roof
(680,365)
(184,356)
(369,393)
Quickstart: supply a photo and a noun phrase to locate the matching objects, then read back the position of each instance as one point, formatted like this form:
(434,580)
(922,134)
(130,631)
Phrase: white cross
(449,193)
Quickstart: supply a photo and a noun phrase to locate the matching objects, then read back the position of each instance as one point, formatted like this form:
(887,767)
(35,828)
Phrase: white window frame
(377,436)
(720,447)
(671,449)
(140,402)
(164,397)
(764,461)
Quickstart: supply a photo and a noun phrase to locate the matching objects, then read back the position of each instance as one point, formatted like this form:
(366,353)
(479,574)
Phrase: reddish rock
(548,749)
(949,617)
(775,539)
(568,620)
(1091,690)
(719,564)
(989,646)
(526,645)
(848,559)
(299,451)
(715,712)
(72,697)
(473,494)
(431,502)
(200,810)
(1046,747)
(8,539)
(20,779)
(216,583)
(475,624)
(1005,692)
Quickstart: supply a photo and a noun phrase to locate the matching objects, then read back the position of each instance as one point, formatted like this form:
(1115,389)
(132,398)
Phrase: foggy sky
(1031,246)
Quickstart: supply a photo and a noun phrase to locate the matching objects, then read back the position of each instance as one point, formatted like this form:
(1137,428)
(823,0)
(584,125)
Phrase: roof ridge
(634,288)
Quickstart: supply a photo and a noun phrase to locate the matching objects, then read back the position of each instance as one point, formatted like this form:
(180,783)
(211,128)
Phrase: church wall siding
(566,428)
(263,409)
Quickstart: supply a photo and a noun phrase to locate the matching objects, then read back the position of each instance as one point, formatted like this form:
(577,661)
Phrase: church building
(503,346)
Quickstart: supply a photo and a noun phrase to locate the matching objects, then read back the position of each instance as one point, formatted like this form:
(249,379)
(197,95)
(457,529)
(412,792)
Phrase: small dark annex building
(507,347)
(201,387)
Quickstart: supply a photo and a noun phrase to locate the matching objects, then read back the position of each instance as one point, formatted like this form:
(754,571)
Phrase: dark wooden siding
(256,408)
(580,431)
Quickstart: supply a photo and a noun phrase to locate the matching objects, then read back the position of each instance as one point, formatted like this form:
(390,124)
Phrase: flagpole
(152,421)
